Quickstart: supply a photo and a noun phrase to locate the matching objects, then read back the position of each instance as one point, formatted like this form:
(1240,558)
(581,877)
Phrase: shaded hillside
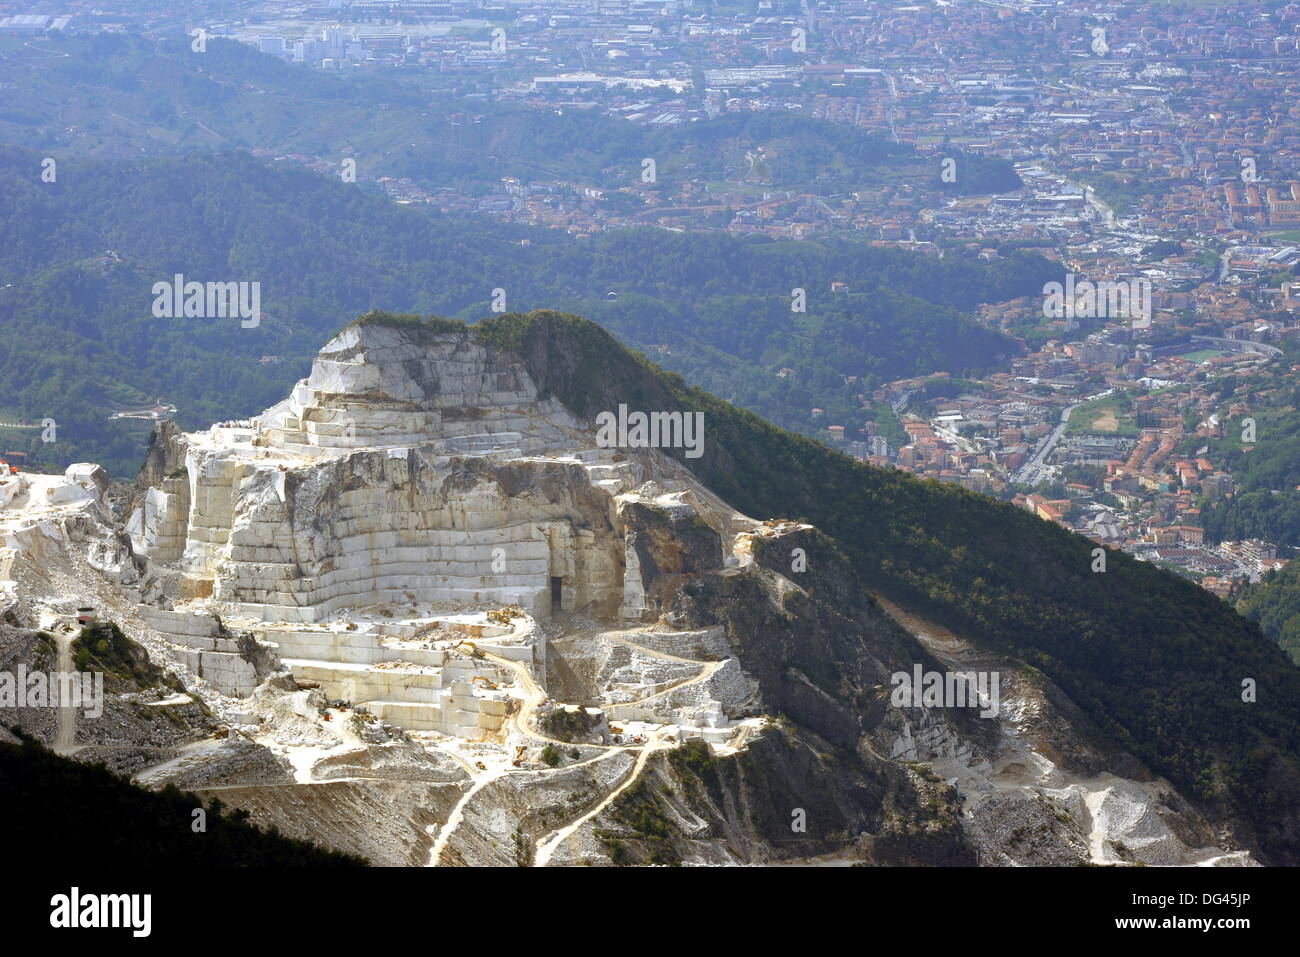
(775,150)
(58,809)
(1266,470)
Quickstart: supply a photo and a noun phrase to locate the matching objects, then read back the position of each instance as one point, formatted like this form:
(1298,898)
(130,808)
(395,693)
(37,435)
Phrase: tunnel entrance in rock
(557,593)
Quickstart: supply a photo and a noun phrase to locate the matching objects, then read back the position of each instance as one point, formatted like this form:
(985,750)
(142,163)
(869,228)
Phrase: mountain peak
(389,381)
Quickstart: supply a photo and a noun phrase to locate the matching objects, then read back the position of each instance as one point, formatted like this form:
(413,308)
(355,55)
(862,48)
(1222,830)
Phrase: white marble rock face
(404,465)
(377,386)
(408,472)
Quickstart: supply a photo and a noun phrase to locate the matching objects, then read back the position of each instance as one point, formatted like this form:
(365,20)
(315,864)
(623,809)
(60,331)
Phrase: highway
(1036,469)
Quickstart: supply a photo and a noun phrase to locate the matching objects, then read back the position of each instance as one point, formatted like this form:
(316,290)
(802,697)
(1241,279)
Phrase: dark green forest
(127,94)
(80,342)
(1275,604)
(1266,472)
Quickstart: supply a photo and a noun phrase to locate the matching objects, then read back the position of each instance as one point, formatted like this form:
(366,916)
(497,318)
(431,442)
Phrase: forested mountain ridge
(109,90)
(1266,498)
(1257,441)
(1260,447)
(80,340)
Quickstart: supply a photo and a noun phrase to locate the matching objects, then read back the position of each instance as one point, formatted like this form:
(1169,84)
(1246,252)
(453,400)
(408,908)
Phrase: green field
(1108,416)
(1200,355)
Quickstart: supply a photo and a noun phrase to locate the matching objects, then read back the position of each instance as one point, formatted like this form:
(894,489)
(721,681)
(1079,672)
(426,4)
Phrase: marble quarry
(416,610)
(411,526)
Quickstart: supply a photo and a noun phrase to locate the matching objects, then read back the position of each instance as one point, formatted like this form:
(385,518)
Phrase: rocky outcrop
(818,647)
(390,474)
(165,455)
(663,542)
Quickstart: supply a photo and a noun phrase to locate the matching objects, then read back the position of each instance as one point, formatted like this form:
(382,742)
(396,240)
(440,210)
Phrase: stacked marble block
(368,485)
(431,689)
(372,564)
(215,480)
(706,644)
(633,607)
(159,525)
(402,470)
(382,526)
(203,650)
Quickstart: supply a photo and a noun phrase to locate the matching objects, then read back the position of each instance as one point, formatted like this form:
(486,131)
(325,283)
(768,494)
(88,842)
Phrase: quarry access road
(546,847)
(485,778)
(624,640)
(706,672)
(472,771)
(454,818)
(535,695)
(65,732)
(145,775)
(707,669)
(315,782)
